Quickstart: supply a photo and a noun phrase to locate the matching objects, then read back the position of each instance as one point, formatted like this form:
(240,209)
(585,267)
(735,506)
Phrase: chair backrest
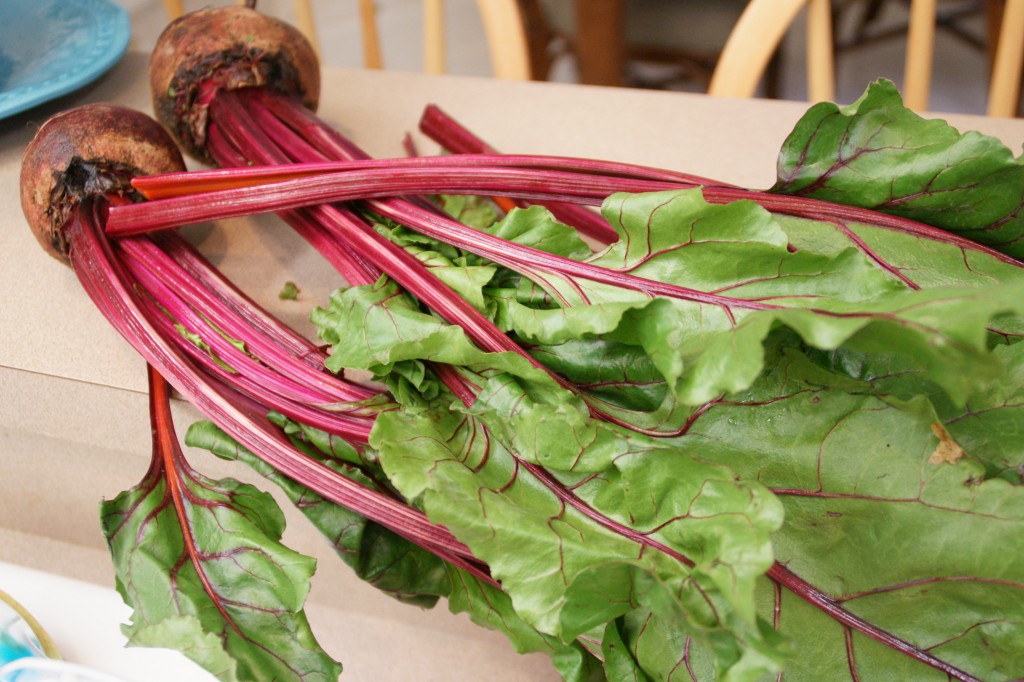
(757,35)
(502,22)
(303,17)
(764,23)
(503,26)
(1004,88)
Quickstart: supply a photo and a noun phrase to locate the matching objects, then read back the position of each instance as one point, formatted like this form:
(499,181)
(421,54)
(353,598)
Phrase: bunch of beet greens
(747,433)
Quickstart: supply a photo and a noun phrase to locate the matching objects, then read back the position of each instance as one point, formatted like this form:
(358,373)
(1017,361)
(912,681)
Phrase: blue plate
(49,48)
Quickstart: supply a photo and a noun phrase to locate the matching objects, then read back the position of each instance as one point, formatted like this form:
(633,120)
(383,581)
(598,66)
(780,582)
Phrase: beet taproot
(225,48)
(89,150)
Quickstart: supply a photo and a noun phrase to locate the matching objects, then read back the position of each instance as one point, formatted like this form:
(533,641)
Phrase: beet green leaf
(609,521)
(867,338)
(390,563)
(201,563)
(396,566)
(877,154)
(903,528)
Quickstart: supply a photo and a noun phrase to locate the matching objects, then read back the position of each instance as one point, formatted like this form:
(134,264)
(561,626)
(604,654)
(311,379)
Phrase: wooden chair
(502,21)
(765,22)
(1004,88)
(303,17)
(757,35)
(503,26)
(649,43)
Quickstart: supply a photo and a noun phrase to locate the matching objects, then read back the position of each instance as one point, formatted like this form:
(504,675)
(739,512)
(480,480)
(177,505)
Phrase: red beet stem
(113,290)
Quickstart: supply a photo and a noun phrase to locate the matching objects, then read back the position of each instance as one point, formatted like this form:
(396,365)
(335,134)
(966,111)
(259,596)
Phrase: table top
(72,393)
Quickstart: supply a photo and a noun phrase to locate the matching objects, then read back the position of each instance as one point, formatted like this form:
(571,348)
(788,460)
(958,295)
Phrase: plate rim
(99,12)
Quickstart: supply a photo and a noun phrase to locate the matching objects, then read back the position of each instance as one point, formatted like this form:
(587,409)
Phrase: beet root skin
(225,48)
(96,148)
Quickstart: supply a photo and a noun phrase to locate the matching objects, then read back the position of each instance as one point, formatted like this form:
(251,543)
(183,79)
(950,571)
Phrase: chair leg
(993,20)
(305,22)
(540,38)
(917,78)
(370,34)
(174,8)
(1004,94)
(433,36)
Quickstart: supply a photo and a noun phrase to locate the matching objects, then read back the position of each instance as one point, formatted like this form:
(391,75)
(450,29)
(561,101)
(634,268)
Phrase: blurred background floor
(959,81)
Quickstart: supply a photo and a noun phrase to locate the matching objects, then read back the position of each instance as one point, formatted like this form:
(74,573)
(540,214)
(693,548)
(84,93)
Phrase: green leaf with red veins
(376,327)
(467,282)
(387,561)
(877,154)
(610,515)
(913,260)
(537,228)
(608,469)
(199,645)
(902,528)
(217,578)
(467,279)
(619,663)
(761,272)
(396,566)
(991,427)
(704,347)
(618,374)
(521,408)
(738,249)
(491,608)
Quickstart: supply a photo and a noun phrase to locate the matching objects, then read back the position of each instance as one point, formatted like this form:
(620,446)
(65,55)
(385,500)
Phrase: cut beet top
(92,150)
(225,48)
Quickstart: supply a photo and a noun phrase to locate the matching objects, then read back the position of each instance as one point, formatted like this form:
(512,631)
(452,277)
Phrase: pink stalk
(440,127)
(269,152)
(303,363)
(349,265)
(113,289)
(229,116)
(526,177)
(457,140)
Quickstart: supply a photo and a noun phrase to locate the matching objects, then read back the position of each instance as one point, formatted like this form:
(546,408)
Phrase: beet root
(89,150)
(225,48)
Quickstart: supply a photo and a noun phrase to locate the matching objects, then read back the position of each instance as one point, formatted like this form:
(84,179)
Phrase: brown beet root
(225,47)
(93,149)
